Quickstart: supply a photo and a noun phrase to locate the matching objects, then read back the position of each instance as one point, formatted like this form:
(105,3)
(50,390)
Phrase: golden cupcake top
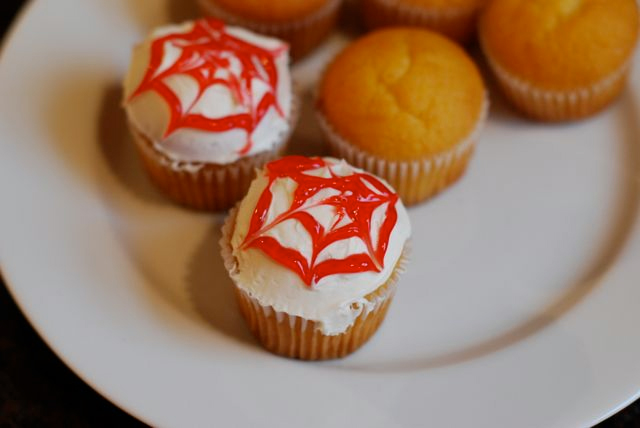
(272,10)
(402,93)
(560,44)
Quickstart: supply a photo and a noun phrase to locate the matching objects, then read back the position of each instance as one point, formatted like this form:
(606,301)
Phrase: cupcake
(559,60)
(406,104)
(315,250)
(207,104)
(453,18)
(302,23)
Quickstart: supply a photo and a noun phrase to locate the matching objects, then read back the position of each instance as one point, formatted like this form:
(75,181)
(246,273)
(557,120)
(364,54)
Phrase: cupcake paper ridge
(269,27)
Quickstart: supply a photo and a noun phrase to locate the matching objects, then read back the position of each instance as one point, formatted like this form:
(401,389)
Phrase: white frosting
(335,301)
(150,114)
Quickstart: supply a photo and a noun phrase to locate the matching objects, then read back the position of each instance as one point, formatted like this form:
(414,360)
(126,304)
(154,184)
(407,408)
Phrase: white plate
(520,307)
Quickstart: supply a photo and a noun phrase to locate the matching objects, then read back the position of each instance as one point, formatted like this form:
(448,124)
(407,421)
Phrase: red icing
(356,201)
(205,50)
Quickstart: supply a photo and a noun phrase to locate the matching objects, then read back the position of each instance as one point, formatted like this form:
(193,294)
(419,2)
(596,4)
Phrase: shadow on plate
(306,138)
(350,19)
(211,290)
(500,108)
(118,148)
(74,128)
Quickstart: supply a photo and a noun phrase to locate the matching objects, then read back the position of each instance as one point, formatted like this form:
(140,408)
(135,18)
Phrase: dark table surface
(37,389)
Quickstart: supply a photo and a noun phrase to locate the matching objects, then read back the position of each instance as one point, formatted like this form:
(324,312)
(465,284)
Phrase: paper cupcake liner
(554,106)
(208,186)
(303,34)
(455,22)
(201,186)
(296,337)
(414,180)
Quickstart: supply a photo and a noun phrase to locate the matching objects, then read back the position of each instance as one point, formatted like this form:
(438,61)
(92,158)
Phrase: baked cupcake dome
(406,104)
(315,250)
(560,59)
(304,24)
(453,18)
(203,114)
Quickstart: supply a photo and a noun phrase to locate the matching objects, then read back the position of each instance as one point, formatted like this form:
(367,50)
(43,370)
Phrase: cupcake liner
(208,186)
(303,35)
(458,23)
(296,337)
(202,186)
(554,106)
(414,180)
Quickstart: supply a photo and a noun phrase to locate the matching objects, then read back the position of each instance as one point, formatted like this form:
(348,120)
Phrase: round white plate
(520,307)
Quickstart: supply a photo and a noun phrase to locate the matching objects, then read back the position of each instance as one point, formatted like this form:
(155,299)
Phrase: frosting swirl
(205,92)
(314,236)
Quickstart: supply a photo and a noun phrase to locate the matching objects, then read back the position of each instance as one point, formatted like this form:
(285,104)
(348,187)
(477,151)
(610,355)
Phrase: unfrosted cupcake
(302,23)
(406,104)
(315,250)
(207,104)
(453,18)
(560,59)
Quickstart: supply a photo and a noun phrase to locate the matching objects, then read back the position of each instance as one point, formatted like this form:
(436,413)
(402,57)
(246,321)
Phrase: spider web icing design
(207,54)
(358,196)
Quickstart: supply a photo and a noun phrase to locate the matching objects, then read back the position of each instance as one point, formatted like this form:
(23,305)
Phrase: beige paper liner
(455,22)
(303,35)
(415,180)
(296,337)
(556,106)
(203,185)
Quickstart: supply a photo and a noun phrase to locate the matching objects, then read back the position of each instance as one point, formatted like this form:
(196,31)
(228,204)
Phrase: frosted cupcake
(406,104)
(453,18)
(207,104)
(302,23)
(315,250)
(560,59)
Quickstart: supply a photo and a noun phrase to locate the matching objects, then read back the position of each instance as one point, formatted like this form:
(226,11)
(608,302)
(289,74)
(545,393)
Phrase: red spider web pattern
(356,201)
(205,50)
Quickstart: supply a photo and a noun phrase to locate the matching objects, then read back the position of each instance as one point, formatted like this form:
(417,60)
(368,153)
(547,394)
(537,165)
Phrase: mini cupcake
(453,18)
(406,104)
(558,59)
(207,104)
(315,250)
(302,23)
